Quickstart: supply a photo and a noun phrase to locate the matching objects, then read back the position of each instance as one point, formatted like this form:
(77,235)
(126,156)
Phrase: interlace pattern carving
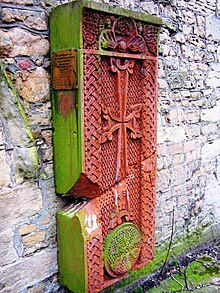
(148,158)
(95,271)
(92,113)
(120,133)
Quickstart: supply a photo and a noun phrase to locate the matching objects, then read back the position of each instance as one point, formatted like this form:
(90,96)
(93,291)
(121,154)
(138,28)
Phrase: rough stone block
(193,116)
(213,28)
(7,252)
(174,134)
(190,146)
(178,159)
(33,19)
(14,43)
(27,229)
(188,16)
(29,271)
(178,175)
(34,238)
(35,87)
(5,170)
(211,115)
(176,116)
(19,203)
(163,180)
(210,150)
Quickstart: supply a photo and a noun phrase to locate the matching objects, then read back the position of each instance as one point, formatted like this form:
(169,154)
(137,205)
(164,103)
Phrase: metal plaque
(64,75)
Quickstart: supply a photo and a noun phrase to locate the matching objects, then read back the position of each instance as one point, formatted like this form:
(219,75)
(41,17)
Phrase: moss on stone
(24,149)
(200,272)
(181,245)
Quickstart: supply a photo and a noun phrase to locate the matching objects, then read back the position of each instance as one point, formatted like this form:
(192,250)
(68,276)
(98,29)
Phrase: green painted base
(71,252)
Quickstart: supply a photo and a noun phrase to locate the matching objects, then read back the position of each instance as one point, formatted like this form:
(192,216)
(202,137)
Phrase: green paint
(66,34)
(71,252)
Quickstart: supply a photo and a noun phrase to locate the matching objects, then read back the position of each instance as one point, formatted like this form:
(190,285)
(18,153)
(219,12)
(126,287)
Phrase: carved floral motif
(119,34)
(123,37)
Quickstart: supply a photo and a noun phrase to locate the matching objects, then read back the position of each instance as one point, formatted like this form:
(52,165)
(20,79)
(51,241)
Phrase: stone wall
(188,133)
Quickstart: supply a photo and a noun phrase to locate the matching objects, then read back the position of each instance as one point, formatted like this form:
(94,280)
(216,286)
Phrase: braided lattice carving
(148,155)
(120,138)
(92,114)
(95,264)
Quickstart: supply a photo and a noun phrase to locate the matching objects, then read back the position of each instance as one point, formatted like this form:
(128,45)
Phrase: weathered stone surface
(176,116)
(212,197)
(5,170)
(163,180)
(41,115)
(26,229)
(210,150)
(19,135)
(213,28)
(212,114)
(19,203)
(38,288)
(7,252)
(25,63)
(22,2)
(174,134)
(178,175)
(47,136)
(20,42)
(150,7)
(45,220)
(188,16)
(33,19)
(28,271)
(34,86)
(34,238)
(26,163)
(213,79)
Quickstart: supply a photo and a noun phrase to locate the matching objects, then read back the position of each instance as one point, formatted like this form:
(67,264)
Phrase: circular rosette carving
(121,249)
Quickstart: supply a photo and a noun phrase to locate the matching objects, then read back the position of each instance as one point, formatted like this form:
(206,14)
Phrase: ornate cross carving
(123,121)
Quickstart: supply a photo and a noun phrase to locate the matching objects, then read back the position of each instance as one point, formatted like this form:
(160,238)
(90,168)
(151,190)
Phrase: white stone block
(213,28)
(5,170)
(210,150)
(19,203)
(212,115)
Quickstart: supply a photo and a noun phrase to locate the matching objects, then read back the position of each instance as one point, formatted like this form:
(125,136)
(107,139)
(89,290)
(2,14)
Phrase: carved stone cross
(121,122)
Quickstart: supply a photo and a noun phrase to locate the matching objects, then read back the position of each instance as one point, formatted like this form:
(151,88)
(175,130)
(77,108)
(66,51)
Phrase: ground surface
(198,272)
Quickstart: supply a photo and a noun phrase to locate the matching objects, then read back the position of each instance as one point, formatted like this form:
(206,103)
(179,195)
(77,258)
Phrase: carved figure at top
(123,37)
(119,34)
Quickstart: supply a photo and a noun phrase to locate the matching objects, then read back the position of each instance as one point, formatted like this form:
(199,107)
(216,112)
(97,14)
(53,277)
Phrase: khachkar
(104,115)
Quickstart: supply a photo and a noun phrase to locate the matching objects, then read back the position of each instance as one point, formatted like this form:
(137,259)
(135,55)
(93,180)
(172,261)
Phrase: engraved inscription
(64,70)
